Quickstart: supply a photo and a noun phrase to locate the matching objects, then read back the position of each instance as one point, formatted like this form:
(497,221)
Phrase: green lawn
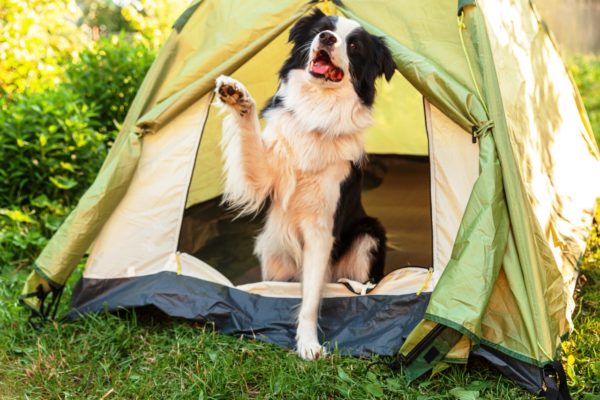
(153,357)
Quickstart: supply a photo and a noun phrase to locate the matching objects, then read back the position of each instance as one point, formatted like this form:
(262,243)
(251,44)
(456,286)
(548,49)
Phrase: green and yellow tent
(483,168)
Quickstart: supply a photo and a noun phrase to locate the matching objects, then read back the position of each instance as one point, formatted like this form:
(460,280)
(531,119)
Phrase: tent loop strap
(178,262)
(555,382)
(143,129)
(357,288)
(48,306)
(481,129)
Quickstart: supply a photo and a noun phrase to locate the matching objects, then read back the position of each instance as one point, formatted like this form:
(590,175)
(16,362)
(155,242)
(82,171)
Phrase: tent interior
(396,191)
(398,186)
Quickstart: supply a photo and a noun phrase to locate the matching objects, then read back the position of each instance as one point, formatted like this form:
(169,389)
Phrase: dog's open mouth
(322,67)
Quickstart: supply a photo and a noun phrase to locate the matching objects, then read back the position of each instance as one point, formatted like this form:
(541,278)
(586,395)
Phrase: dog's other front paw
(310,350)
(234,94)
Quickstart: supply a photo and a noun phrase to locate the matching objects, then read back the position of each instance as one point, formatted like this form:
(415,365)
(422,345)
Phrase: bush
(109,75)
(53,143)
(586,72)
(48,146)
(50,154)
(153,19)
(25,231)
(35,39)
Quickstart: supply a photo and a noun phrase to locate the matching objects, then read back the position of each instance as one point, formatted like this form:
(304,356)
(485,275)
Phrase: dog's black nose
(327,38)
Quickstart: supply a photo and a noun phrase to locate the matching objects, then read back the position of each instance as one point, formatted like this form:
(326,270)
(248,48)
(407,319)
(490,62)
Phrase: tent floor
(396,190)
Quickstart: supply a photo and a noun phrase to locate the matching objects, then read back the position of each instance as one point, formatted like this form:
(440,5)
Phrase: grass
(133,357)
(108,357)
(149,357)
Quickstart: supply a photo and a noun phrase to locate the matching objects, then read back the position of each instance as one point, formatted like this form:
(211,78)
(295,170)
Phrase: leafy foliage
(36,37)
(581,355)
(49,146)
(26,230)
(109,74)
(586,72)
(50,155)
(103,16)
(53,142)
(153,18)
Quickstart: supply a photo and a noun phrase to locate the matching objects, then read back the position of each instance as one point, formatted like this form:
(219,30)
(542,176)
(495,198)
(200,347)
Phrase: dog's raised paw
(234,94)
(310,350)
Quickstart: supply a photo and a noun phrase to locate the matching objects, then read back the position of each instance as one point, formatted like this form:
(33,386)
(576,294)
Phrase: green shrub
(153,19)
(586,72)
(50,154)
(36,36)
(109,75)
(25,231)
(53,143)
(47,146)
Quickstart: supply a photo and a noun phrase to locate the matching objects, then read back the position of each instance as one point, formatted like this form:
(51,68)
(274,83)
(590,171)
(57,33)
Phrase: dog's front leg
(247,172)
(315,264)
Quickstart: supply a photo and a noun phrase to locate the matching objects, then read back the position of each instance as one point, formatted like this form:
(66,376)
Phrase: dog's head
(335,51)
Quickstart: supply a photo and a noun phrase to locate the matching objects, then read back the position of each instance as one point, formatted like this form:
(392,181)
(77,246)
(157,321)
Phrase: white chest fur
(332,111)
(297,157)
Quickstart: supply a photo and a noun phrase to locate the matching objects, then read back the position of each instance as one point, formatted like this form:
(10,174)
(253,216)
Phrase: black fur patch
(369,59)
(351,223)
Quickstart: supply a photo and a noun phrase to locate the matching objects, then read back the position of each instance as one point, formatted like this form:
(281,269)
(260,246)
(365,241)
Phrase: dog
(306,166)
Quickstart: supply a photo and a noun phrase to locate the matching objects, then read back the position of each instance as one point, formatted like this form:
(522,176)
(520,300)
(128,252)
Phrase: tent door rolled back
(475,169)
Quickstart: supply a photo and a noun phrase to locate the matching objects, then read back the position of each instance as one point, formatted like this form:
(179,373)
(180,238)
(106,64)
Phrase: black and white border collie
(306,164)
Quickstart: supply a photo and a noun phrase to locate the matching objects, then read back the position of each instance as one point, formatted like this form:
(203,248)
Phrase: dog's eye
(353,45)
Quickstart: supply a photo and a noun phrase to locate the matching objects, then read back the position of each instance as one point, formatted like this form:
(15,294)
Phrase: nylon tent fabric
(193,76)
(455,308)
(560,143)
(486,208)
(527,311)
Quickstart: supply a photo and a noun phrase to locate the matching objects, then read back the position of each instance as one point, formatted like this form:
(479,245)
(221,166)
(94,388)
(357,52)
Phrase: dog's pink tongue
(320,67)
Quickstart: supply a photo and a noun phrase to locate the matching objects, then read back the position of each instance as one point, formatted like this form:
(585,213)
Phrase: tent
(481,159)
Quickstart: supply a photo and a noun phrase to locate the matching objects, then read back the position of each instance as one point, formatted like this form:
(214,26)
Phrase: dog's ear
(385,61)
(303,25)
